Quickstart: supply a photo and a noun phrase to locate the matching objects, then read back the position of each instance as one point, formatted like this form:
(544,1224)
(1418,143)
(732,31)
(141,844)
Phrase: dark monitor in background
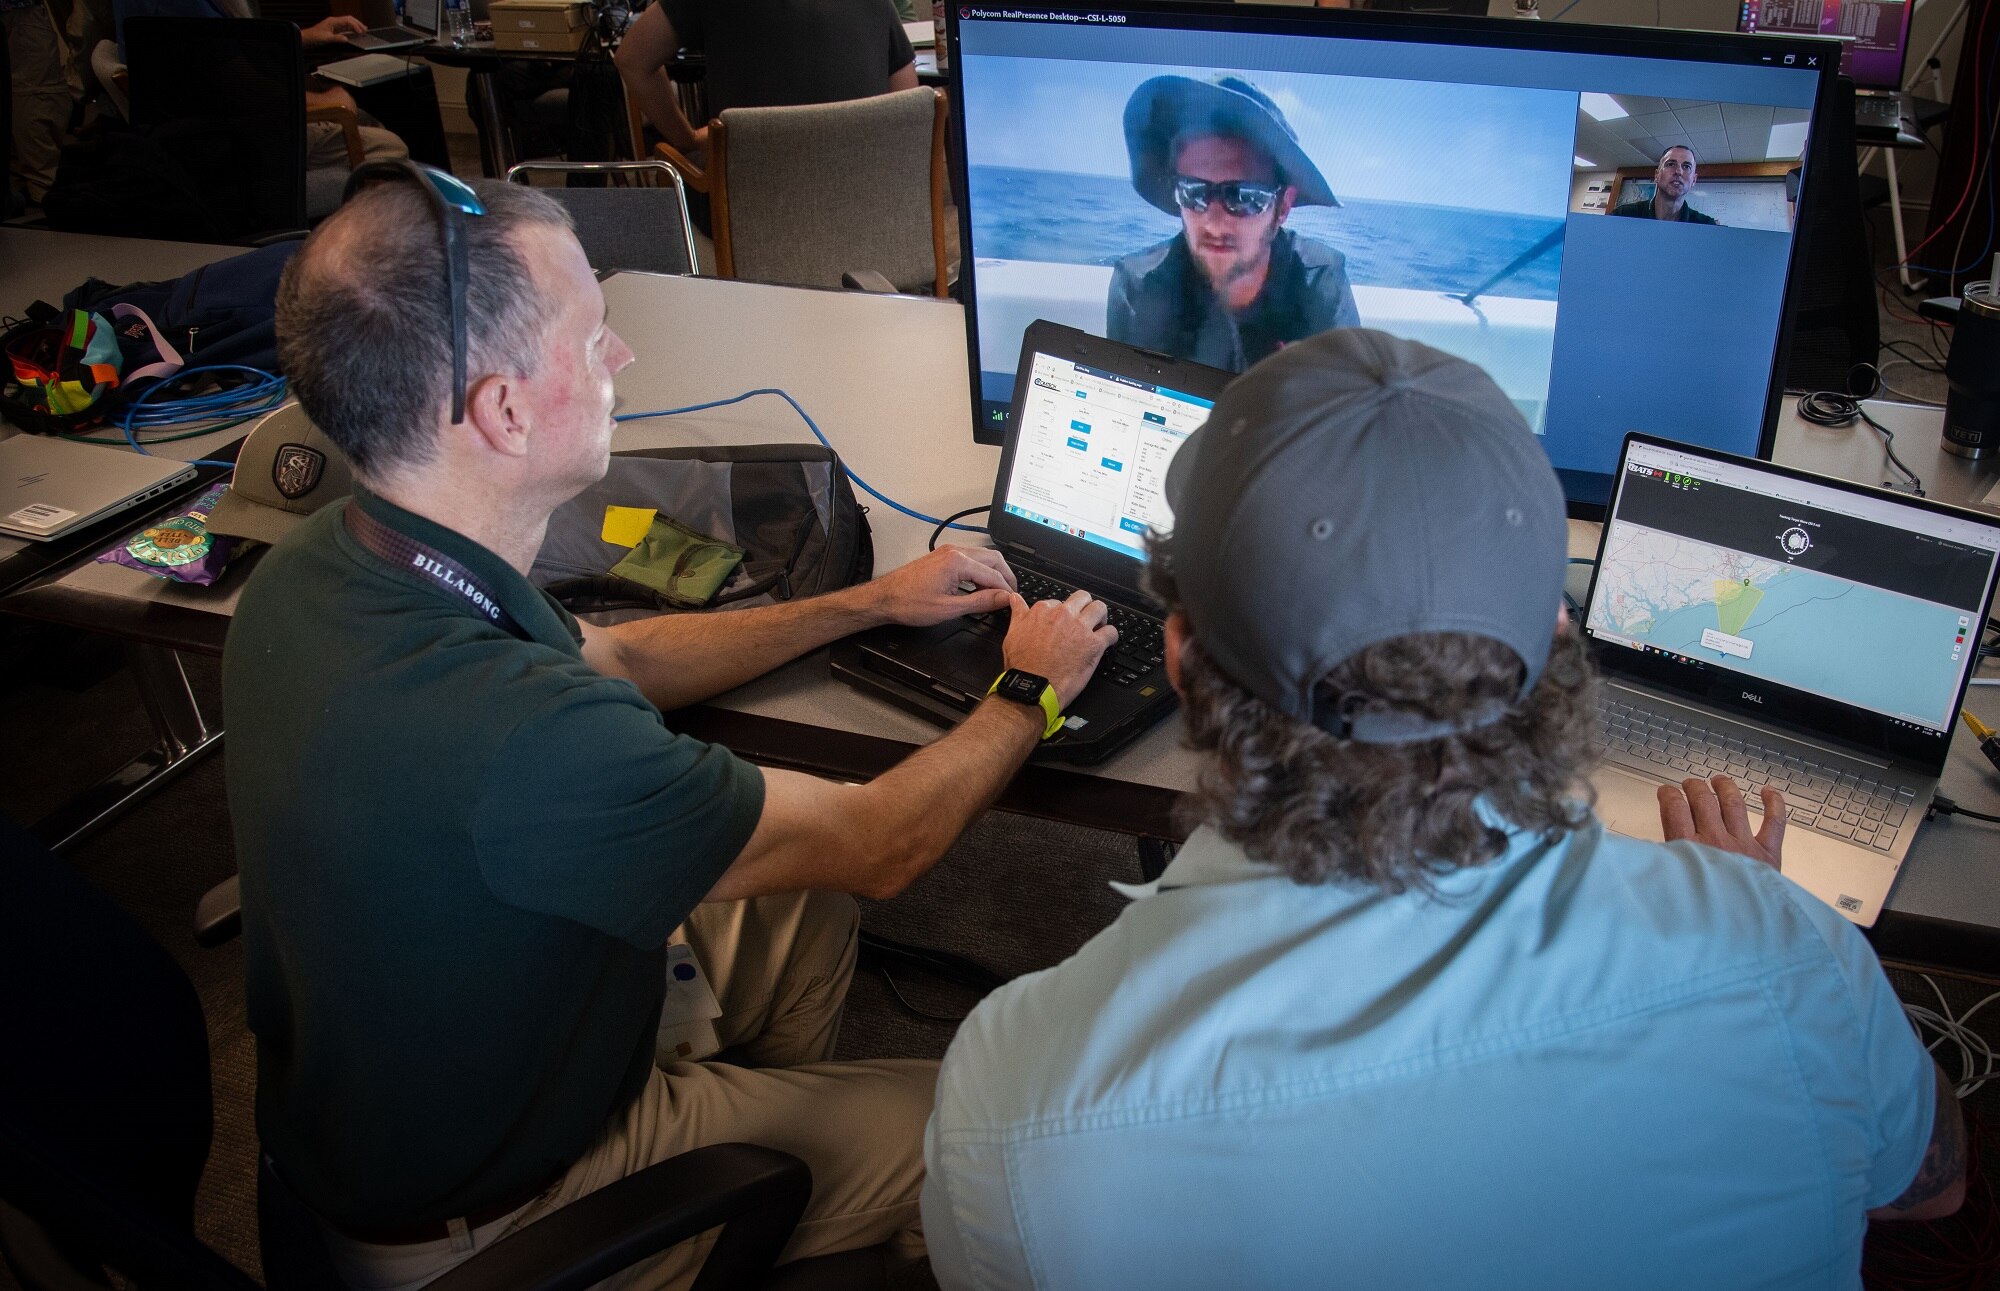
(1440,178)
(1875,33)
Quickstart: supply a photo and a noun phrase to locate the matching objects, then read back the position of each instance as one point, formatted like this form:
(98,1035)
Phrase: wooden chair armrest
(350,129)
(691,175)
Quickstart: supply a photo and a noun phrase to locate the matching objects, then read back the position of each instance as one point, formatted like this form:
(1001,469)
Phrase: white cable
(1881,376)
(1978,1063)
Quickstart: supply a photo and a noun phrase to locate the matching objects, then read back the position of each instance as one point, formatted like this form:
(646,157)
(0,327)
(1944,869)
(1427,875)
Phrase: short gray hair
(364,335)
(1686,148)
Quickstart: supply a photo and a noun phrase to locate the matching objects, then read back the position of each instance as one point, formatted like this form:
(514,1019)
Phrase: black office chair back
(105,1113)
(226,98)
(1832,298)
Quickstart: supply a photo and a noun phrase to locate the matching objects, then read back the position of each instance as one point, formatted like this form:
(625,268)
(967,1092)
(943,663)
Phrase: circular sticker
(180,541)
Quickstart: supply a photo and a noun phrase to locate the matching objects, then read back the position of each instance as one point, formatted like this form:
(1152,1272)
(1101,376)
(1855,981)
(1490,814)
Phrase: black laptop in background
(1082,478)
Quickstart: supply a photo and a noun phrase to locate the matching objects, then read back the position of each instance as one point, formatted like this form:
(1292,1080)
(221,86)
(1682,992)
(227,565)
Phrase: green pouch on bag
(685,567)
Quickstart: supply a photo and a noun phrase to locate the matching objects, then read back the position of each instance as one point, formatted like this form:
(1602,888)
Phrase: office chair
(639,221)
(1835,326)
(807,195)
(106,1119)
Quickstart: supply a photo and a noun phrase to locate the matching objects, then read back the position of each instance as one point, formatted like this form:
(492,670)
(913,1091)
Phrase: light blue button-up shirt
(1594,1063)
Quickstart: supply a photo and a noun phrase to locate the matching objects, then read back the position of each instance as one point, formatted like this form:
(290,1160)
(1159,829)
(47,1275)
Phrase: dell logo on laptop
(1755,699)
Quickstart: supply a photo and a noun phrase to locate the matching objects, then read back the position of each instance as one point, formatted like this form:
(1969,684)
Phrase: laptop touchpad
(966,659)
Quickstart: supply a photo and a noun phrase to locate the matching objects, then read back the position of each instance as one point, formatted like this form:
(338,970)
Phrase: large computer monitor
(1441,178)
(1874,34)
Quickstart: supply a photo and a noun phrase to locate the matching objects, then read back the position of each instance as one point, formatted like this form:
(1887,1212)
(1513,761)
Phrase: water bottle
(457,23)
(938,45)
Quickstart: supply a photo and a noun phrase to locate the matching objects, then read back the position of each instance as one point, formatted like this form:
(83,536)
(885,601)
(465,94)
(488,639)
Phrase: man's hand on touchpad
(1714,812)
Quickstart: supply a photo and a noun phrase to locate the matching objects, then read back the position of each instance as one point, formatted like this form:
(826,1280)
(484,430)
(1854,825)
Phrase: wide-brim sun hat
(1167,107)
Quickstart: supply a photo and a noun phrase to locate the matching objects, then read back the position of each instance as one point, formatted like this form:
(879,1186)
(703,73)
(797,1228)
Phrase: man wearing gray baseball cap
(1401,1013)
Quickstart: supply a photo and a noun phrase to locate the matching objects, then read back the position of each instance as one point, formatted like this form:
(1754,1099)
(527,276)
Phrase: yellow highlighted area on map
(1734,603)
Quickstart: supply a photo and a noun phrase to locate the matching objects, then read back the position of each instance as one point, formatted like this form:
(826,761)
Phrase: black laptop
(1082,478)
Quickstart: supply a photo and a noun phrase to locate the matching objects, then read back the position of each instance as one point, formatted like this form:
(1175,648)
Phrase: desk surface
(885,377)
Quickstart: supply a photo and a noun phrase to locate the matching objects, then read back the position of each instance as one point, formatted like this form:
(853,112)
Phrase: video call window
(1217,194)
(1688,161)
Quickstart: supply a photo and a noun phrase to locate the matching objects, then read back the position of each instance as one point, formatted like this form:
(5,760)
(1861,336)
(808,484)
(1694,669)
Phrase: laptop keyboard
(1142,644)
(1831,799)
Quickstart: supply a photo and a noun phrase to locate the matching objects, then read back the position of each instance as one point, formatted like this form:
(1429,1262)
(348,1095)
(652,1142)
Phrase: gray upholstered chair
(637,221)
(811,195)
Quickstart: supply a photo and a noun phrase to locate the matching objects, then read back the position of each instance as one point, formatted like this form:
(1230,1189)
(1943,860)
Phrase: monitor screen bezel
(1585,492)
(1784,706)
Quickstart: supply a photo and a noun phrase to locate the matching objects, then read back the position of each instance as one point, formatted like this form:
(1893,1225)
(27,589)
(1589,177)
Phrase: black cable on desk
(1832,408)
(1943,806)
(945,523)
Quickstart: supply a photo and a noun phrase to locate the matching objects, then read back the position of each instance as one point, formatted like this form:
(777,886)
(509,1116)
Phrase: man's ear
(1562,618)
(494,413)
(1177,637)
(1286,199)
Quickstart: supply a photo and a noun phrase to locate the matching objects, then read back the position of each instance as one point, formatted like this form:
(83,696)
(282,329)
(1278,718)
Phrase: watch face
(1023,686)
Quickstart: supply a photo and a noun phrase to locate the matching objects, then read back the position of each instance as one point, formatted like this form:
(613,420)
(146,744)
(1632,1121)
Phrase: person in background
(764,53)
(326,143)
(1673,180)
(1401,1013)
(1234,284)
(40,90)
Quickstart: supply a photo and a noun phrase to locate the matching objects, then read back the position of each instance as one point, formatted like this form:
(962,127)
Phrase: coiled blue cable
(818,434)
(261,394)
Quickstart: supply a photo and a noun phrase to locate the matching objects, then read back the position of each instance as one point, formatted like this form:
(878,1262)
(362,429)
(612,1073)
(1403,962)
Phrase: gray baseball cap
(286,470)
(1356,487)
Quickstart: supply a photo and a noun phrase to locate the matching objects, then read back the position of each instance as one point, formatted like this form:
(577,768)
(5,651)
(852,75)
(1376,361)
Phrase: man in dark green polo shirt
(1673,180)
(466,836)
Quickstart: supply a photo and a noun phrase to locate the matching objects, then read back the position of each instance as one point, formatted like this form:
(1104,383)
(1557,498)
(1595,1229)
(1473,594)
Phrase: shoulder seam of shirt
(1311,1087)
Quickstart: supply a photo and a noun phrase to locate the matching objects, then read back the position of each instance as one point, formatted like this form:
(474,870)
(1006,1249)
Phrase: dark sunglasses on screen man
(1238,197)
(451,199)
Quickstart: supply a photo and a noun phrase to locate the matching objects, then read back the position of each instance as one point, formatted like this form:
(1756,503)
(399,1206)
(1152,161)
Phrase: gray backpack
(788,506)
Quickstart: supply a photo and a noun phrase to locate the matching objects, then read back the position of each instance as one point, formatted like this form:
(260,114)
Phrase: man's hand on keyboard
(931,589)
(1713,812)
(1059,640)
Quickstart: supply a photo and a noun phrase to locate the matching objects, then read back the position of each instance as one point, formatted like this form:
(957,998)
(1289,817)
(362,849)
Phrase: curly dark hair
(1396,816)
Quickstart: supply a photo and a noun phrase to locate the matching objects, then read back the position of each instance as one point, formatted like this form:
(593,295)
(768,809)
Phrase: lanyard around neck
(398,548)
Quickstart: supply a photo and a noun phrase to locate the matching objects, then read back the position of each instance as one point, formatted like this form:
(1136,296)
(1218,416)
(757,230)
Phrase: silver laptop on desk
(419,26)
(49,487)
(1788,630)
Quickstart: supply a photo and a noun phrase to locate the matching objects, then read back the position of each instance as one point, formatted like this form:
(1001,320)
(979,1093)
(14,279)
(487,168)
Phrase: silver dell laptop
(51,487)
(1788,630)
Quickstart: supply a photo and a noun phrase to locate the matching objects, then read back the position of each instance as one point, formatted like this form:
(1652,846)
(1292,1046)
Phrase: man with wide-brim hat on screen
(1235,285)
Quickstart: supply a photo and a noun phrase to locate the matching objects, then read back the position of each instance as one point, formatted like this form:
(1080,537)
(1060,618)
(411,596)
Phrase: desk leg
(183,735)
(1896,220)
(495,154)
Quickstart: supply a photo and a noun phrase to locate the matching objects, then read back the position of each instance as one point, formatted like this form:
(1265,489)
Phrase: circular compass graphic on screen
(1796,541)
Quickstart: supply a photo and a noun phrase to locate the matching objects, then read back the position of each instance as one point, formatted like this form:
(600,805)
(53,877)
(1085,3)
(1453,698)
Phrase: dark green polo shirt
(462,853)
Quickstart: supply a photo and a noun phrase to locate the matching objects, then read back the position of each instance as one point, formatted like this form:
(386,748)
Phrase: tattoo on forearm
(1944,1159)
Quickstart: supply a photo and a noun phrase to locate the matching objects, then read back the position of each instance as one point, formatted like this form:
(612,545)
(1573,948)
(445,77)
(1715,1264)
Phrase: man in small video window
(1673,180)
(1234,285)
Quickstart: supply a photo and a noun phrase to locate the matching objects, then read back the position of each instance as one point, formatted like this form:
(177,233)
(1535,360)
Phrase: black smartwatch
(1035,692)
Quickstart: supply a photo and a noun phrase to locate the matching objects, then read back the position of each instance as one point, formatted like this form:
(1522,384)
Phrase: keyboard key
(1836,829)
(1895,815)
(1884,842)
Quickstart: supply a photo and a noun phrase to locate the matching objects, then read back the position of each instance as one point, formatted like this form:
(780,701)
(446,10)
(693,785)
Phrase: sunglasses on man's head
(451,199)
(1238,196)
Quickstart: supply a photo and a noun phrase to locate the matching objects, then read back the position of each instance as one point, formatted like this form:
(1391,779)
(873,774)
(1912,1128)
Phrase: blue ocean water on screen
(1097,219)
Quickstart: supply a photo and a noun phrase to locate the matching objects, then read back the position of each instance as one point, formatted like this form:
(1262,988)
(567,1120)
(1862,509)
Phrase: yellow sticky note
(627,525)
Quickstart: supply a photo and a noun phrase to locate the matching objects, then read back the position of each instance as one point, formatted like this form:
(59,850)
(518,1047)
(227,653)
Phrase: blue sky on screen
(1495,148)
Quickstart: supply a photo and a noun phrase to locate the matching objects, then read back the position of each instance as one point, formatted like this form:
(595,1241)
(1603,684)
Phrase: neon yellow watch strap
(1051,706)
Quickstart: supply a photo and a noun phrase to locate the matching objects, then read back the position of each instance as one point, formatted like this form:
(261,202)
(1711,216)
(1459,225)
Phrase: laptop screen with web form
(1092,453)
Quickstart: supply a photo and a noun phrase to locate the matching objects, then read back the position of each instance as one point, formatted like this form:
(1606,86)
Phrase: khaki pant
(326,145)
(41,91)
(779,967)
